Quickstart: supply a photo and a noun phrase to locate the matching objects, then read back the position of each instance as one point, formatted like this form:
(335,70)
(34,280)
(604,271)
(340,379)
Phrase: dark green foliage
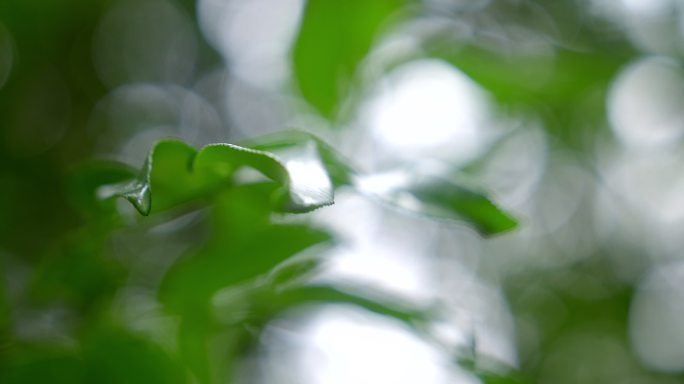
(33,366)
(115,356)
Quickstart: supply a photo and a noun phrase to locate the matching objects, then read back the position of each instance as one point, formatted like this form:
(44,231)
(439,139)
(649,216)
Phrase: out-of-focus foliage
(333,40)
(105,101)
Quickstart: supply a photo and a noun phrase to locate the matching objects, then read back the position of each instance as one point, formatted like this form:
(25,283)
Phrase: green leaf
(566,88)
(244,246)
(435,196)
(257,305)
(114,356)
(76,273)
(167,171)
(441,197)
(306,170)
(333,39)
(35,365)
(555,78)
(293,271)
(194,280)
(175,173)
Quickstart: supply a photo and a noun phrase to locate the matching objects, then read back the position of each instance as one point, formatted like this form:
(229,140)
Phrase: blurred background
(569,112)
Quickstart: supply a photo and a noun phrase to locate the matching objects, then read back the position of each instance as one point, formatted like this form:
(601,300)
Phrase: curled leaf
(175,172)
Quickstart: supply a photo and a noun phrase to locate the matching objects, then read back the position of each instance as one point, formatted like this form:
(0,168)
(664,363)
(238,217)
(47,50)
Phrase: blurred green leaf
(497,378)
(555,77)
(5,305)
(77,273)
(293,271)
(175,173)
(333,39)
(31,366)
(566,88)
(326,294)
(258,304)
(440,197)
(196,279)
(244,246)
(115,356)
(193,339)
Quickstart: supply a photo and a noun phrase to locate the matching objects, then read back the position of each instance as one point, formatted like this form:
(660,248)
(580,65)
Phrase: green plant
(170,270)
(261,261)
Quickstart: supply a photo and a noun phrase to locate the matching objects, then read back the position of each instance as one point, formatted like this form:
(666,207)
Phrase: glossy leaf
(306,170)
(339,169)
(175,173)
(333,39)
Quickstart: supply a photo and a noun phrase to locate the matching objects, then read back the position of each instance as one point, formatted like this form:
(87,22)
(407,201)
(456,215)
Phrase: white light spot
(309,181)
(425,105)
(656,319)
(645,104)
(348,346)
(647,7)
(255,36)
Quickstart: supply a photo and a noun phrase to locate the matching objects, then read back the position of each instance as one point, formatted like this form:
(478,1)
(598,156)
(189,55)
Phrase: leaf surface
(175,173)
(333,39)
